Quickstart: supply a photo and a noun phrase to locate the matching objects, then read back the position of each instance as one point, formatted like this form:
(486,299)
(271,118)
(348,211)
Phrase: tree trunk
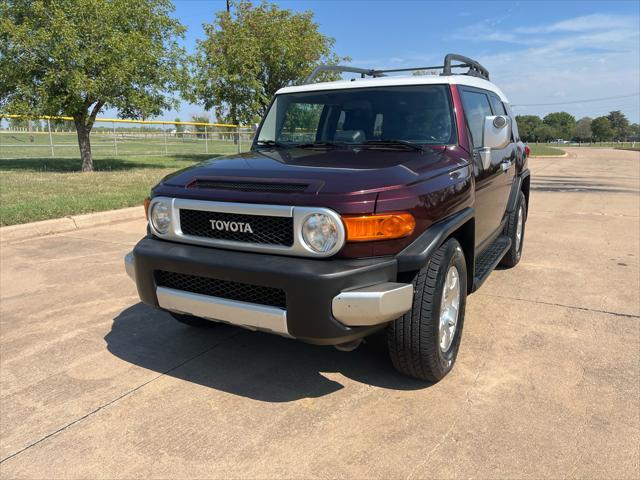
(85,145)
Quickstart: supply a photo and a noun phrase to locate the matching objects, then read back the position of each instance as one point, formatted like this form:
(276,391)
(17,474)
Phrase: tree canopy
(619,124)
(250,53)
(76,57)
(583,129)
(601,128)
(562,123)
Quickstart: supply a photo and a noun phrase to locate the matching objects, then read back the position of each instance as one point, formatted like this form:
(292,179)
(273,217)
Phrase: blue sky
(537,52)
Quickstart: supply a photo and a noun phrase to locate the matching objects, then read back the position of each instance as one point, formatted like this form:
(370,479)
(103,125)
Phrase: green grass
(103,145)
(34,185)
(41,188)
(544,150)
(633,149)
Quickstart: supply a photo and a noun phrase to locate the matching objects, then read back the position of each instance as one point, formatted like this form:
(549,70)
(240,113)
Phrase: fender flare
(415,256)
(515,189)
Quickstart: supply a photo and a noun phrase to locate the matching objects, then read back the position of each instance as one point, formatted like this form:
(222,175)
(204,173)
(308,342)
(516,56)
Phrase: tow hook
(349,346)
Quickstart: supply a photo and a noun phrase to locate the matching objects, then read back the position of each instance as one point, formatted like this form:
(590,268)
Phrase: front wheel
(515,231)
(424,342)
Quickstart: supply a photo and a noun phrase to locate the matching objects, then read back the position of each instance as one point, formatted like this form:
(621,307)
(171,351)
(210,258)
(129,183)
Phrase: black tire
(192,321)
(512,257)
(413,339)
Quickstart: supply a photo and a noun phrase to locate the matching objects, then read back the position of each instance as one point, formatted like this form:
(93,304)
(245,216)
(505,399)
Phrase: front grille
(264,229)
(242,292)
(250,186)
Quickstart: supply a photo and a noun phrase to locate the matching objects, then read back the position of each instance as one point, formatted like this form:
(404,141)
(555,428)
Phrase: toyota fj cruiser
(374,203)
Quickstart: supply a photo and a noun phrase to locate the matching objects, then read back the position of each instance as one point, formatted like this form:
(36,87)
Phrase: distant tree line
(562,125)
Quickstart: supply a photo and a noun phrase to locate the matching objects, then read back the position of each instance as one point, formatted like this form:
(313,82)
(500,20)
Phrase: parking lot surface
(547,383)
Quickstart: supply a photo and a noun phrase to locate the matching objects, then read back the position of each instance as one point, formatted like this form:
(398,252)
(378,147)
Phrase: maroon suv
(374,203)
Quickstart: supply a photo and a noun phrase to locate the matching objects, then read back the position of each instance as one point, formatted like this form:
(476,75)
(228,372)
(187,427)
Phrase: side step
(487,261)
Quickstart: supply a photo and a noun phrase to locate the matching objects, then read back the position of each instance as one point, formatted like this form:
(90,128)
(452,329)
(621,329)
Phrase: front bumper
(327,301)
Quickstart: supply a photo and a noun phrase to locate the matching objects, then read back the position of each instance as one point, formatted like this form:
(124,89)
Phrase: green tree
(250,53)
(545,133)
(563,123)
(583,129)
(527,125)
(601,128)
(201,129)
(16,123)
(179,127)
(619,124)
(634,130)
(76,57)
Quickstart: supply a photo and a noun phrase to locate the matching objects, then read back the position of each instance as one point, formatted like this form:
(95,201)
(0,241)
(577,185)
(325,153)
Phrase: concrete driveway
(547,384)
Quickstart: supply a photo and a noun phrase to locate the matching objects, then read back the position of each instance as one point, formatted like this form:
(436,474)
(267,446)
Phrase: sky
(537,52)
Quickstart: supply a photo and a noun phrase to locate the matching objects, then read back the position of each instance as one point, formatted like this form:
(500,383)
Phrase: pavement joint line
(126,394)
(446,436)
(573,307)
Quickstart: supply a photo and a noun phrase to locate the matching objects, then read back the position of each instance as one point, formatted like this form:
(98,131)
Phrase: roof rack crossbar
(475,69)
(364,72)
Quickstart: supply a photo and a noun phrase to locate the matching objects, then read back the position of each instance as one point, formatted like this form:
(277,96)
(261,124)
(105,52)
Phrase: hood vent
(249,186)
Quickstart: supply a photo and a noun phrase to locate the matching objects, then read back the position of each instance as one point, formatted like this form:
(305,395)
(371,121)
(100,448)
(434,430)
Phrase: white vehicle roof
(389,81)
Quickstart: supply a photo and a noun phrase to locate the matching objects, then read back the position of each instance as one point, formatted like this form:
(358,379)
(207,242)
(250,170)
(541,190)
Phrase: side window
(498,107)
(476,108)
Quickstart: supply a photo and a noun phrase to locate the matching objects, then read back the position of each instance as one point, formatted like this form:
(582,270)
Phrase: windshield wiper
(271,143)
(393,141)
(320,143)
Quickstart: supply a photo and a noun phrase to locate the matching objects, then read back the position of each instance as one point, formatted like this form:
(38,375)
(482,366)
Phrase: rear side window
(476,108)
(498,107)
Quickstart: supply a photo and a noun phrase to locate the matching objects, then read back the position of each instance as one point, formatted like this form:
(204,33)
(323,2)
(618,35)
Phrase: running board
(488,260)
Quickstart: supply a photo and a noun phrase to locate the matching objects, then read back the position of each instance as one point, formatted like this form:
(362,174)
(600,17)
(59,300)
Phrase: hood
(326,171)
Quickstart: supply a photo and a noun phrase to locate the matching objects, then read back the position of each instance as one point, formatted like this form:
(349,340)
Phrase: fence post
(206,140)
(50,137)
(115,138)
(238,129)
(166,150)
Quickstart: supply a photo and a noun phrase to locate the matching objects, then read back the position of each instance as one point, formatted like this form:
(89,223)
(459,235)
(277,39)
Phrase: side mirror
(497,131)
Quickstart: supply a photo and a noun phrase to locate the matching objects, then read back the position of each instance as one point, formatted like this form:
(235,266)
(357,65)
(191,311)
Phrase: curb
(69,224)
(565,154)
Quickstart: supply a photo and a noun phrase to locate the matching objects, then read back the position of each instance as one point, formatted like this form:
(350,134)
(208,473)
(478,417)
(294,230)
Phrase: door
(493,184)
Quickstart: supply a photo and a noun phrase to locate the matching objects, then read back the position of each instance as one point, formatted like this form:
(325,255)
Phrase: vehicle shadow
(577,184)
(255,365)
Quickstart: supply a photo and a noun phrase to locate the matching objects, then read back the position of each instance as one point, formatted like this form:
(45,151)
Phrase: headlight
(320,232)
(160,217)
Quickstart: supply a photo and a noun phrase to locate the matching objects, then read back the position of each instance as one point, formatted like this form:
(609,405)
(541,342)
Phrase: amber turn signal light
(379,227)
(147,201)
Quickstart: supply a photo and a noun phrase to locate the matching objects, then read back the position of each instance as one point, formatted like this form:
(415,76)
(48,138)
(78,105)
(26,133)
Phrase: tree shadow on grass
(108,164)
(255,365)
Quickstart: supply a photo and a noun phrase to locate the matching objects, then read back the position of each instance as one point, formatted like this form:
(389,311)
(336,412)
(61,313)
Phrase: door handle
(506,165)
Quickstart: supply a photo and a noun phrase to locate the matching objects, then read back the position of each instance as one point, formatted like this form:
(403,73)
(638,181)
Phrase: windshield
(418,114)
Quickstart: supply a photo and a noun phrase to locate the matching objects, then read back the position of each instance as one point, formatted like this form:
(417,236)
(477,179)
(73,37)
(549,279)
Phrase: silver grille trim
(299,214)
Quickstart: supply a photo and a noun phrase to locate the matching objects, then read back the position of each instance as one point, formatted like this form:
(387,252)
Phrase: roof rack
(474,69)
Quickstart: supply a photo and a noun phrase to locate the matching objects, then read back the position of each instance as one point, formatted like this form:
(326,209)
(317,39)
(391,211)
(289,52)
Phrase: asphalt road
(547,384)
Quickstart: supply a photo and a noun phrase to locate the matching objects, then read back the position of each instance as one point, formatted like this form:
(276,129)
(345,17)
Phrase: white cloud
(585,57)
(584,24)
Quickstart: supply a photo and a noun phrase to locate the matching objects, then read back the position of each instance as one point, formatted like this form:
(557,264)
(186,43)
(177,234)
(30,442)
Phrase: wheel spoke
(449,307)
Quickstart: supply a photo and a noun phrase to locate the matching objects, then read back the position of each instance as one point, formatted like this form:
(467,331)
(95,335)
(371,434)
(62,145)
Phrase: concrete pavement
(547,384)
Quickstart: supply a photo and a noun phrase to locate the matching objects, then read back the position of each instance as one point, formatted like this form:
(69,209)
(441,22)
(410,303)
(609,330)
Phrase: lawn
(544,150)
(41,188)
